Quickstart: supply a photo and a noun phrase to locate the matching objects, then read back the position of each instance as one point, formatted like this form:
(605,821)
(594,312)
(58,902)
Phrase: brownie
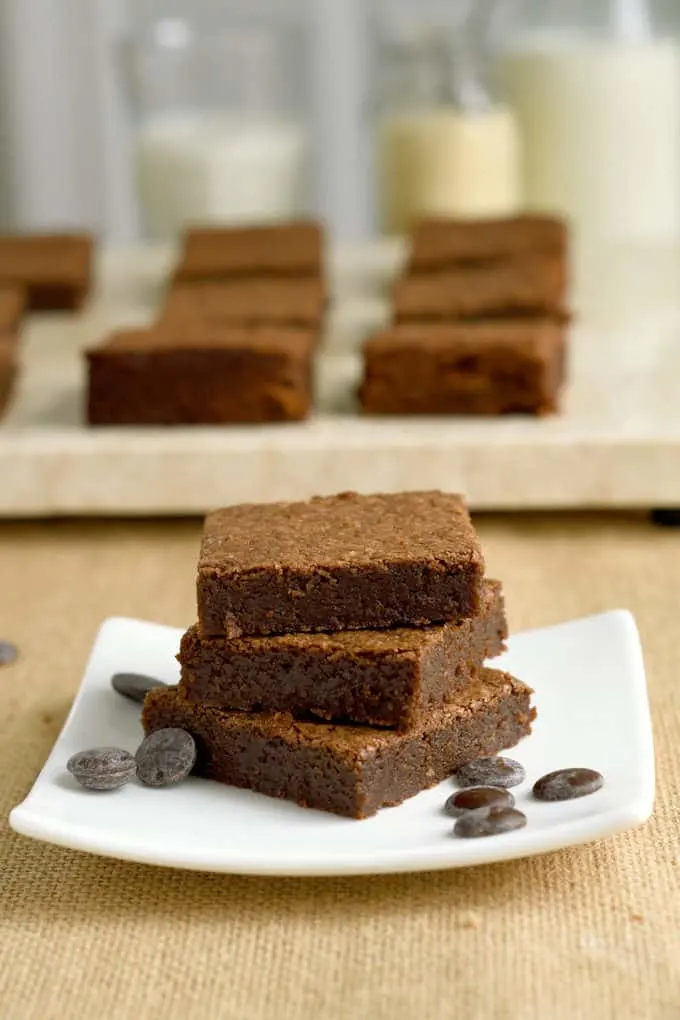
(345,562)
(485,367)
(54,269)
(8,368)
(12,305)
(443,242)
(200,374)
(349,770)
(298,301)
(528,285)
(288,249)
(379,677)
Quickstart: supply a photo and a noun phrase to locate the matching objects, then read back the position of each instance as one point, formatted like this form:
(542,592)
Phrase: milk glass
(219,138)
(596,88)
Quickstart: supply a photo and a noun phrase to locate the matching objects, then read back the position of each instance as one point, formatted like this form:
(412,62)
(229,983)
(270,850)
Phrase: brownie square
(528,285)
(200,376)
(348,770)
(444,242)
(8,369)
(12,305)
(345,562)
(482,367)
(378,677)
(54,269)
(293,302)
(288,249)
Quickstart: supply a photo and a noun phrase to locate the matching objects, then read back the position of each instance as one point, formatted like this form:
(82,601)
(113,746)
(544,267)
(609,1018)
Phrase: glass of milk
(595,85)
(447,146)
(218,138)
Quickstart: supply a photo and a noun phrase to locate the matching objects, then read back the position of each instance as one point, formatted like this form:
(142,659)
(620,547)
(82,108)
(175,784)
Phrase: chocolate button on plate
(165,757)
(478,798)
(135,686)
(497,771)
(102,768)
(565,784)
(494,822)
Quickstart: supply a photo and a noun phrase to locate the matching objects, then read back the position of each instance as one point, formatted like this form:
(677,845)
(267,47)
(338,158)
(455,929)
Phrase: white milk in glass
(221,168)
(600,122)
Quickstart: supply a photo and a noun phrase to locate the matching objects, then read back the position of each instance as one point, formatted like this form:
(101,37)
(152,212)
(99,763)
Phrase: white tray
(617,443)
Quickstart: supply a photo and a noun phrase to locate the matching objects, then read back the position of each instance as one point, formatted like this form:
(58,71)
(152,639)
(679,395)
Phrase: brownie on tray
(201,374)
(437,243)
(348,770)
(54,269)
(12,306)
(486,367)
(287,249)
(345,562)
(377,677)
(528,285)
(8,368)
(295,302)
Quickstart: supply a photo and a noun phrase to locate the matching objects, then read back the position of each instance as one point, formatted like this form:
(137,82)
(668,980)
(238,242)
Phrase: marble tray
(616,444)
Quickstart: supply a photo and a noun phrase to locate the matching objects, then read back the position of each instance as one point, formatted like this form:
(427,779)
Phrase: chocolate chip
(165,757)
(490,772)
(565,784)
(478,798)
(135,686)
(102,768)
(493,822)
(8,653)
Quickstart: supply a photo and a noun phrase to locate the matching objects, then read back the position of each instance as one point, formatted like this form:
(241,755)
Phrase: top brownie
(442,242)
(289,249)
(527,285)
(298,301)
(345,562)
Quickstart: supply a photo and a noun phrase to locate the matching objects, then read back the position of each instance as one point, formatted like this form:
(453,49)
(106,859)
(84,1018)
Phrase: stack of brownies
(234,340)
(338,656)
(480,322)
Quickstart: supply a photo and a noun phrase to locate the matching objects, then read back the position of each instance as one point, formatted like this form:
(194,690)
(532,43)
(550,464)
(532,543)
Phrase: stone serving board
(616,444)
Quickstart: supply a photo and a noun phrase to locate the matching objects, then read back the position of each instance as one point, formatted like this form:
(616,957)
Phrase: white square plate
(592,712)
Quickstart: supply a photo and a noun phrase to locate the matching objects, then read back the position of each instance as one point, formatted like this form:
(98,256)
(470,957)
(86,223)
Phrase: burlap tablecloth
(589,933)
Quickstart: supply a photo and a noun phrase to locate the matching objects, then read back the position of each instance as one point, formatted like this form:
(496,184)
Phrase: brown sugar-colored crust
(528,285)
(437,243)
(203,375)
(484,367)
(54,269)
(288,249)
(378,677)
(345,562)
(296,302)
(348,770)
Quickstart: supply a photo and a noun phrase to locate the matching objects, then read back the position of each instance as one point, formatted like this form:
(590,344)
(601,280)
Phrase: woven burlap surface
(591,932)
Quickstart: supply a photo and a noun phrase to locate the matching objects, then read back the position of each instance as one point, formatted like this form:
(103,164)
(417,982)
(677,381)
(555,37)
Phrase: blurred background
(130,119)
